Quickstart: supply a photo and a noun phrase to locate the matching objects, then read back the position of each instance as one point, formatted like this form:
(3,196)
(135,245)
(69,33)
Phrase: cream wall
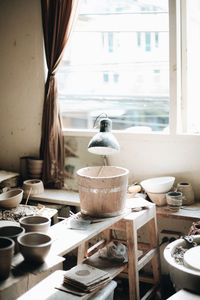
(21,80)
(21,99)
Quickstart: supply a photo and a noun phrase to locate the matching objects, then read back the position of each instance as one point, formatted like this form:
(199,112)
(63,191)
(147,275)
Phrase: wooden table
(45,289)
(190,212)
(65,240)
(23,276)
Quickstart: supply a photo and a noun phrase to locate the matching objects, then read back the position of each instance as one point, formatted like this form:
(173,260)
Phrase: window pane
(117,63)
(191,106)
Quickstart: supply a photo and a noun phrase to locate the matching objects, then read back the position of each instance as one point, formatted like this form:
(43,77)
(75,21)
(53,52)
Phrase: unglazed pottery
(34,246)
(12,232)
(34,186)
(6,254)
(35,223)
(11,199)
(188,194)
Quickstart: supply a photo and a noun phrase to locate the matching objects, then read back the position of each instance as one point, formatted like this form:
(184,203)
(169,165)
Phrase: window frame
(177,120)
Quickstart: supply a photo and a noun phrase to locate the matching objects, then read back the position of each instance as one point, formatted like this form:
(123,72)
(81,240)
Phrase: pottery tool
(100,171)
(28,196)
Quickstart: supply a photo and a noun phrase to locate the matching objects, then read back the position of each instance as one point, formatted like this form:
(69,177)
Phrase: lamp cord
(99,116)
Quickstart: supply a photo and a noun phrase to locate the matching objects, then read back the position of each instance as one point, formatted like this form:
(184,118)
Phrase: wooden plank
(146,258)
(46,290)
(63,197)
(190,213)
(66,239)
(99,245)
(131,234)
(184,295)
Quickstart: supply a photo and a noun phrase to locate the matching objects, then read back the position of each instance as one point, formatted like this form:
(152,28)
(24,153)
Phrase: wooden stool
(130,225)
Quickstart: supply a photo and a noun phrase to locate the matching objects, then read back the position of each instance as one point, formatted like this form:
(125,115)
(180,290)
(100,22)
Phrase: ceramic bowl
(35,223)
(11,199)
(6,255)
(158,199)
(158,185)
(35,185)
(34,246)
(12,232)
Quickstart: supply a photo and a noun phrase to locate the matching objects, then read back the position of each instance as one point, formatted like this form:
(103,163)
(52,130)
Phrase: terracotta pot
(6,253)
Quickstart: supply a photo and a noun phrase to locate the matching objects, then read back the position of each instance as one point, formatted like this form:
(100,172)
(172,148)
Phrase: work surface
(71,198)
(190,212)
(66,239)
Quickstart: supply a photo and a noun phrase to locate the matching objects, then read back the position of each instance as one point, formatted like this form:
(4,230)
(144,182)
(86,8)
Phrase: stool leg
(153,237)
(133,276)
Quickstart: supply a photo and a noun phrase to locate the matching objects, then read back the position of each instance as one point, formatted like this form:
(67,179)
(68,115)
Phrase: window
(190,107)
(118,63)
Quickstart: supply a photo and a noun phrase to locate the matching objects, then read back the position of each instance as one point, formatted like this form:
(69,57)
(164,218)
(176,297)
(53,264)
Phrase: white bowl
(11,199)
(158,185)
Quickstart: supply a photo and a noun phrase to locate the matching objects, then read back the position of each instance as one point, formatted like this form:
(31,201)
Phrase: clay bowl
(35,185)
(34,246)
(35,223)
(12,232)
(158,199)
(11,198)
(6,255)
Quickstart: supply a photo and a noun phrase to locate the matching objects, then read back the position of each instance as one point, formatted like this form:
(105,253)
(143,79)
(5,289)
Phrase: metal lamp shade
(104,142)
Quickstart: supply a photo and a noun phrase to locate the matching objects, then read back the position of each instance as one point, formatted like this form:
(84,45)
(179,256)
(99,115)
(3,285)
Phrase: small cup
(6,254)
(174,200)
(12,232)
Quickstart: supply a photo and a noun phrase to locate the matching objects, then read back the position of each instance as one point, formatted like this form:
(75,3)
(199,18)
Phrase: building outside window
(118,62)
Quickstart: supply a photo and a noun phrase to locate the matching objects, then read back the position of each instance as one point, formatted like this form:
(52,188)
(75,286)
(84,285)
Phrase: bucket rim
(126,172)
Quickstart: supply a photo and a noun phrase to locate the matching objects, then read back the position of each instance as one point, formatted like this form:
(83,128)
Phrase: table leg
(82,252)
(133,276)
(153,237)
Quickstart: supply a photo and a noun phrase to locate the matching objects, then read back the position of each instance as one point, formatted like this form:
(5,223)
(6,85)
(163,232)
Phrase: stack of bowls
(157,188)
(12,232)
(35,244)
(35,168)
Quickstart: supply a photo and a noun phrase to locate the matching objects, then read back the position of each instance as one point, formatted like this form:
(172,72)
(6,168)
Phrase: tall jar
(187,191)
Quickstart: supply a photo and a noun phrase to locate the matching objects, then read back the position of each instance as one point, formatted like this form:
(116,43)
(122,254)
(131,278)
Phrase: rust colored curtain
(58,17)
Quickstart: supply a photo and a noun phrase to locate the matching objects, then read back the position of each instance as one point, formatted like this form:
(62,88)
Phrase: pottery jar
(174,200)
(6,254)
(188,194)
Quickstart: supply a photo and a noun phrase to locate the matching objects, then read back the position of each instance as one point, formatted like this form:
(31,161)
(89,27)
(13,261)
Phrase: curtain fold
(58,18)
